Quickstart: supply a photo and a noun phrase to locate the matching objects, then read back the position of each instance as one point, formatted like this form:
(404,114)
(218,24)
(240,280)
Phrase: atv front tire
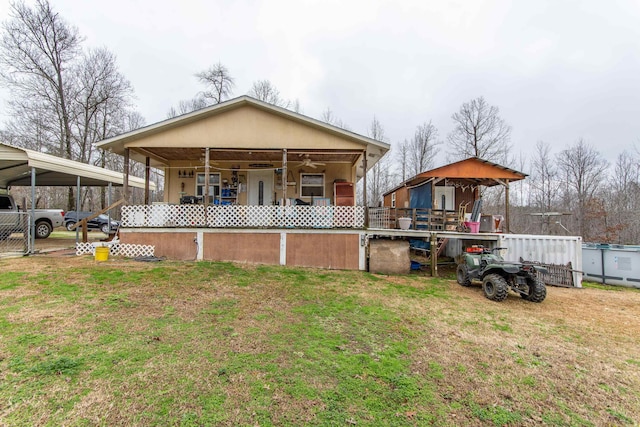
(537,291)
(462,275)
(495,287)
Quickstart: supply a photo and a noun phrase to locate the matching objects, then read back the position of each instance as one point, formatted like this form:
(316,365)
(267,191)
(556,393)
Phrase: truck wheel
(494,287)
(4,236)
(537,291)
(462,275)
(69,225)
(43,229)
(105,228)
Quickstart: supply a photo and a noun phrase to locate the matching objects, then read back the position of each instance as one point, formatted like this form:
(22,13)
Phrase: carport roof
(16,164)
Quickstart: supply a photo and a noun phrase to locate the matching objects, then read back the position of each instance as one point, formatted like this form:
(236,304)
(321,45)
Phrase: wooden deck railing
(421,219)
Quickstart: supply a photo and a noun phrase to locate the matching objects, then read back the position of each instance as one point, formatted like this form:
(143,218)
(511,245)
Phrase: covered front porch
(245,152)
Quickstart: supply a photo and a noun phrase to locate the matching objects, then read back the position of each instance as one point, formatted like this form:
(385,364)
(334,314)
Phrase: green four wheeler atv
(498,275)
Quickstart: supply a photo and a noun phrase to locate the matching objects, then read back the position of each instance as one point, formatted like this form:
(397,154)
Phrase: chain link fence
(14,233)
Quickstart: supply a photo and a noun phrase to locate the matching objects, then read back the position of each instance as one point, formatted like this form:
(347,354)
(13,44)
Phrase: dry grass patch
(127,343)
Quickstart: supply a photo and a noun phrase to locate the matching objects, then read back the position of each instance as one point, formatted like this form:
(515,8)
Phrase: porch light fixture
(185,174)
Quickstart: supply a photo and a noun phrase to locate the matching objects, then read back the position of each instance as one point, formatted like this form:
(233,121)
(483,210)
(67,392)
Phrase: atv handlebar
(489,251)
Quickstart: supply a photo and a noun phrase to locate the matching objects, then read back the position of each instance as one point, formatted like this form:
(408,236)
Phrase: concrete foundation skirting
(332,249)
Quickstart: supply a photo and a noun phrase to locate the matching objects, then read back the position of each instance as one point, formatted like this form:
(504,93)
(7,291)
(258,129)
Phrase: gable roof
(375,149)
(473,170)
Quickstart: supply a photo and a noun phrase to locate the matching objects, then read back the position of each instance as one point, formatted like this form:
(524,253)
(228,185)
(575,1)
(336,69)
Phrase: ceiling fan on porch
(306,161)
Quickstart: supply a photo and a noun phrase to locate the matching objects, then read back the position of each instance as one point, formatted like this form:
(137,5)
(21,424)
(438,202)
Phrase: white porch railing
(237,216)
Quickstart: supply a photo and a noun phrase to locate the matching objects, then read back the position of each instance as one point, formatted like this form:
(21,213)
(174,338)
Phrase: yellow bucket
(102,253)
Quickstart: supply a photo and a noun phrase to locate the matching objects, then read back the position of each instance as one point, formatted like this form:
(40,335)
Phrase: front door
(445,198)
(260,188)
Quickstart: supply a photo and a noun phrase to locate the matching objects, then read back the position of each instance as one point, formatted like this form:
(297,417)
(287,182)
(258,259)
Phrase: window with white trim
(214,186)
(393,199)
(312,184)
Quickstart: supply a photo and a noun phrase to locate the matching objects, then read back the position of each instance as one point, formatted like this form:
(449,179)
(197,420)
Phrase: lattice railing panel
(239,216)
(128,250)
(163,216)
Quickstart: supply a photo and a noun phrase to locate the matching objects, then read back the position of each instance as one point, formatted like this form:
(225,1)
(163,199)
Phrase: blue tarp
(419,244)
(420,197)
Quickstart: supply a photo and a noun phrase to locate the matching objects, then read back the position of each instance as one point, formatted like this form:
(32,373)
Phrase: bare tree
(186,106)
(402,157)
(38,50)
(263,90)
(584,169)
(62,100)
(422,148)
(102,92)
(479,131)
(544,179)
(218,87)
(296,107)
(329,117)
(379,177)
(623,201)
(218,81)
(32,126)
(103,98)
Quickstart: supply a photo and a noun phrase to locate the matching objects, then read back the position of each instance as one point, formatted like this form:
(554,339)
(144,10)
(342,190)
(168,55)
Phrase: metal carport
(24,167)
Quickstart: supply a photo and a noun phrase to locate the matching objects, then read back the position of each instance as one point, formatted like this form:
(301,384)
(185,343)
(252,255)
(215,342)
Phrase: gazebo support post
(507,224)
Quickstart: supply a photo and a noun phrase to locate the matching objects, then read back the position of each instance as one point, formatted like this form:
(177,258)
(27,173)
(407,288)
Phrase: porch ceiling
(169,154)
(487,182)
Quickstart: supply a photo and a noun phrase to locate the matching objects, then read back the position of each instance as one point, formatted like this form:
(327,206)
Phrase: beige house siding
(246,127)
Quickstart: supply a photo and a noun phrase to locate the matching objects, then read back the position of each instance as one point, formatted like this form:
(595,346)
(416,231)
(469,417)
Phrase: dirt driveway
(58,241)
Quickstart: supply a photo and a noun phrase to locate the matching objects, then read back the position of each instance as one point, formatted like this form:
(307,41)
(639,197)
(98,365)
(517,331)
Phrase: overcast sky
(558,70)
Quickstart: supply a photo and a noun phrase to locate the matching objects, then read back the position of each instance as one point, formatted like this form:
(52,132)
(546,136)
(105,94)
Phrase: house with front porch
(252,182)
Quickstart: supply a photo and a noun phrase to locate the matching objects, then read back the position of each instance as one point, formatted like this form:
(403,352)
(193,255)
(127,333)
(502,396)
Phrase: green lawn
(192,344)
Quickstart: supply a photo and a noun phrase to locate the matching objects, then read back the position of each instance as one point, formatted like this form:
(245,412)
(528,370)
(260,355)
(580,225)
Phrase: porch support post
(433,251)
(125,184)
(206,177)
(147,172)
(78,205)
(285,184)
(109,204)
(364,189)
(32,222)
(433,194)
(507,227)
